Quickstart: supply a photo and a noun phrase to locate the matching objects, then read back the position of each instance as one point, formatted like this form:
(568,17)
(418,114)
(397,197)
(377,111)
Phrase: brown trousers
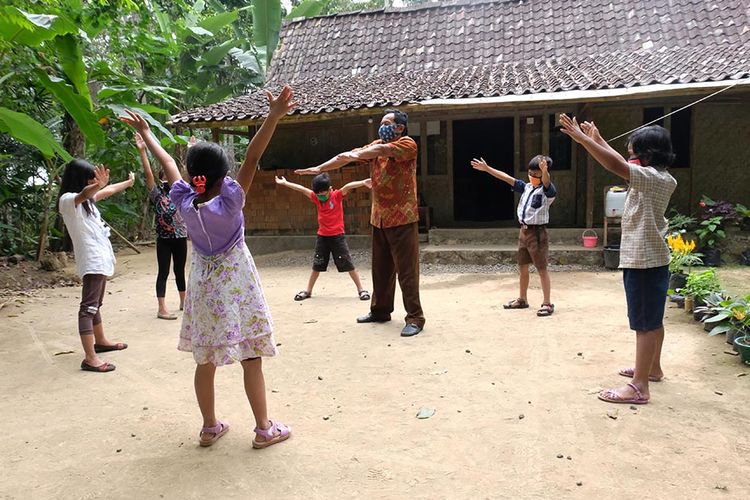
(92,296)
(395,252)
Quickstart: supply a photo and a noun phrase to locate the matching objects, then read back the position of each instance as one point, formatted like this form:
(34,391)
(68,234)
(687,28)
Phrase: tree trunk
(43,227)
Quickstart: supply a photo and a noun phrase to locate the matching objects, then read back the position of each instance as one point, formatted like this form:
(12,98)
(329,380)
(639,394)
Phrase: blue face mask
(387,132)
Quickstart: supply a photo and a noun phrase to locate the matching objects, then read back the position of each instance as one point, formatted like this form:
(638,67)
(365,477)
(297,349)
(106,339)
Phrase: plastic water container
(614,202)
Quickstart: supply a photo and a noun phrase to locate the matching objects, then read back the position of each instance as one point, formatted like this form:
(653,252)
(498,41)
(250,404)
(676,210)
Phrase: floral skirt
(226,318)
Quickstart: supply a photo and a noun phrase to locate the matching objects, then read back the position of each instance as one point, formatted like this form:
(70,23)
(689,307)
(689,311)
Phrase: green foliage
(731,314)
(266,25)
(710,232)
(699,285)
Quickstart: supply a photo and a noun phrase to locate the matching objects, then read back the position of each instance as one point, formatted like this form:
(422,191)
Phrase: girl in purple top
(226,317)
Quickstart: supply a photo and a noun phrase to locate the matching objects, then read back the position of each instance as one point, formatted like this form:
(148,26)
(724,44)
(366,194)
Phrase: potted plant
(682,255)
(710,233)
(710,308)
(715,215)
(733,318)
(698,286)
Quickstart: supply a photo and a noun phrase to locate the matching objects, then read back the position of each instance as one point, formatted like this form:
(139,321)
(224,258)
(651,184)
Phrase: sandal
(302,295)
(546,310)
(108,348)
(102,368)
(629,372)
(516,304)
(217,430)
(166,316)
(364,295)
(271,436)
(611,396)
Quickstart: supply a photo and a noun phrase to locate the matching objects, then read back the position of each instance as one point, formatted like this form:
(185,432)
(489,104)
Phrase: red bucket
(590,241)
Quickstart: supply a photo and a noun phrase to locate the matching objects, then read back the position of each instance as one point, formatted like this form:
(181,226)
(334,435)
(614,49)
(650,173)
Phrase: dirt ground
(516,415)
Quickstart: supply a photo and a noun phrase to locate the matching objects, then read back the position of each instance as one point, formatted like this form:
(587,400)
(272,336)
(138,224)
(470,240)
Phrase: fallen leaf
(63,352)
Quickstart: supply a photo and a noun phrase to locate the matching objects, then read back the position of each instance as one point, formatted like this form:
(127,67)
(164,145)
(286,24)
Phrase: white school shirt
(533,207)
(90,235)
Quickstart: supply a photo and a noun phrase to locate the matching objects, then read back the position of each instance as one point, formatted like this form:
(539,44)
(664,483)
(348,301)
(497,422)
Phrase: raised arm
(281,181)
(141,126)
(277,108)
(113,189)
(545,173)
(482,166)
(605,155)
(356,185)
(101,175)
(148,174)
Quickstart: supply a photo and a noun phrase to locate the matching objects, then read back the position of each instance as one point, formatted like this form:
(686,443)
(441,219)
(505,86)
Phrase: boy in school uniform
(331,236)
(533,215)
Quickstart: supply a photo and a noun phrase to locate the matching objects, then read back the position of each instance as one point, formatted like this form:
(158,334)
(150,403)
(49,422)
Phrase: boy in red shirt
(331,237)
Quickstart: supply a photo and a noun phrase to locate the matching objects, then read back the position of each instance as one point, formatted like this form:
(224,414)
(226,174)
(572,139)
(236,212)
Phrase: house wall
(718,166)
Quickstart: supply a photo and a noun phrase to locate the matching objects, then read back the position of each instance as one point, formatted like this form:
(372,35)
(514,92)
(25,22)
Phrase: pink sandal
(629,372)
(611,396)
(217,430)
(277,433)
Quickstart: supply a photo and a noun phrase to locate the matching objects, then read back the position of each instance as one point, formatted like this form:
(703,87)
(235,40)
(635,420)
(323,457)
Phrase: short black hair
(209,160)
(75,178)
(321,182)
(400,118)
(534,163)
(652,145)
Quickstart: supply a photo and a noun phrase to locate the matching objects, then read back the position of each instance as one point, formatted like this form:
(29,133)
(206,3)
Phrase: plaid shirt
(643,223)
(533,208)
(394,184)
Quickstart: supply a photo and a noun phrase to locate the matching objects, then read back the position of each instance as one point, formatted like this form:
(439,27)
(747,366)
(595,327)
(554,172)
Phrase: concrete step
(509,236)
(506,254)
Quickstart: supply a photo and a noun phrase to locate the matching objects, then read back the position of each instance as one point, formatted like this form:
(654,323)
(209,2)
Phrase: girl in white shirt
(82,185)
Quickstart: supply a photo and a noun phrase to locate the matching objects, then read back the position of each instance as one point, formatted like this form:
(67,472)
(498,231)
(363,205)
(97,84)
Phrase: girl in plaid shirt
(644,255)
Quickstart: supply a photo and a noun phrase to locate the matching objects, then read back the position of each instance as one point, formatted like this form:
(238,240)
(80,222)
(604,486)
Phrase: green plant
(732,314)
(710,232)
(680,223)
(700,284)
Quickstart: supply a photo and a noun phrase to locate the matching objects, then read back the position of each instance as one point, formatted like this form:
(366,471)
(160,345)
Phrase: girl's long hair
(75,178)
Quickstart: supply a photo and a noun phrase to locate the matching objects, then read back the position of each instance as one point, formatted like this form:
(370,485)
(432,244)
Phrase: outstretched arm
(145,164)
(113,189)
(605,155)
(167,162)
(356,185)
(482,166)
(281,181)
(334,163)
(277,108)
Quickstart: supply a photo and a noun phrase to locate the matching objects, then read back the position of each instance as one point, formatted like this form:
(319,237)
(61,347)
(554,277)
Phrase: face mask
(387,132)
(322,197)
(535,181)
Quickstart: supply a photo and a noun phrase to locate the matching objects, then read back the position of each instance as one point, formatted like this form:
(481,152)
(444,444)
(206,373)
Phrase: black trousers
(174,250)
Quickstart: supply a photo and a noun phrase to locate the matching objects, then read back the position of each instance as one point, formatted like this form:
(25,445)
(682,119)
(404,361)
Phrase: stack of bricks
(278,210)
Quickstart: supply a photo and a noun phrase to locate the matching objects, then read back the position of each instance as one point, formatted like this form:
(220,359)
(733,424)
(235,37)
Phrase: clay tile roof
(494,48)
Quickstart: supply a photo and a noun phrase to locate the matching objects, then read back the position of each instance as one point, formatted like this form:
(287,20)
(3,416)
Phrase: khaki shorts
(533,246)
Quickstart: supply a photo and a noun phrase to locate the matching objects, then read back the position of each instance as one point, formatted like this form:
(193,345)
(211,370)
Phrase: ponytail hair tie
(199,182)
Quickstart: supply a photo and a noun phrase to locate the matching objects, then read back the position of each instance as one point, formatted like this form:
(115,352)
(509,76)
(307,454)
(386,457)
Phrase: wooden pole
(123,238)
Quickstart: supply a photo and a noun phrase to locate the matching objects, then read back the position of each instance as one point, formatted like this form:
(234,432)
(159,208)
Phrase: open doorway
(479,197)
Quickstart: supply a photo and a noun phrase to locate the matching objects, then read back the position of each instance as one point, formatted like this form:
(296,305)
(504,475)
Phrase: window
(681,131)
(651,114)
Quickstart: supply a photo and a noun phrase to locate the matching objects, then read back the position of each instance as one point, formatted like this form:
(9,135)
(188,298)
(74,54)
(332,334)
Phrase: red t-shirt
(330,213)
